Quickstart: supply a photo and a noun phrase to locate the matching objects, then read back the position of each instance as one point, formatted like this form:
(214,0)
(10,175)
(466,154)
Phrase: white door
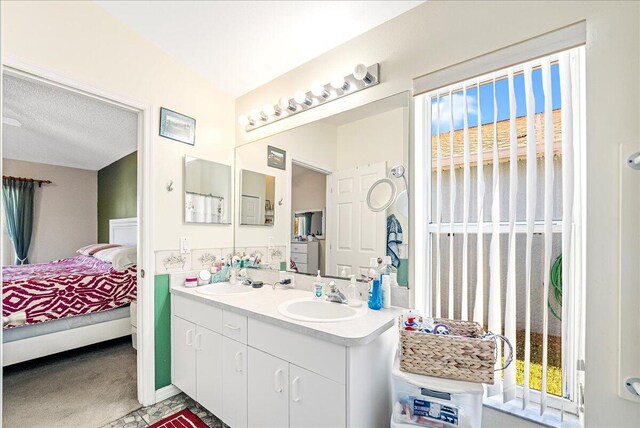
(250,210)
(268,404)
(355,233)
(209,365)
(316,401)
(184,356)
(234,383)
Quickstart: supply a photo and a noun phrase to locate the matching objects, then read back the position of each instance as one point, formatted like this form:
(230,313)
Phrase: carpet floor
(88,387)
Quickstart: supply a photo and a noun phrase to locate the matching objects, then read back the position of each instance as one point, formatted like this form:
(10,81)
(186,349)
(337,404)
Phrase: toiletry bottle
(386,268)
(353,298)
(318,288)
(386,291)
(375,295)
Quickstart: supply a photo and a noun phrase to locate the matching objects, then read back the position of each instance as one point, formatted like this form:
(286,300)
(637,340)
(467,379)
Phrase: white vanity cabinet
(252,373)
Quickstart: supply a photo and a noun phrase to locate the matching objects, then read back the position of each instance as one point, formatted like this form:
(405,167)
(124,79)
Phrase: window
(502,175)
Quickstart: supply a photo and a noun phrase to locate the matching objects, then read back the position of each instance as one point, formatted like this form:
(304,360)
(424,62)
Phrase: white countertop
(262,304)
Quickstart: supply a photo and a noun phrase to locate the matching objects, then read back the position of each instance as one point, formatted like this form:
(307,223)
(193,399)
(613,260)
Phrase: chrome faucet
(334,294)
(244,278)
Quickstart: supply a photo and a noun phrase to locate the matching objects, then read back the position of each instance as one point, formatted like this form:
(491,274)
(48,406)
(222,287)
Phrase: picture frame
(177,126)
(276,158)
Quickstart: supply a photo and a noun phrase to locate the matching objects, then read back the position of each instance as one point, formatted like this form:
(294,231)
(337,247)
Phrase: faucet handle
(332,285)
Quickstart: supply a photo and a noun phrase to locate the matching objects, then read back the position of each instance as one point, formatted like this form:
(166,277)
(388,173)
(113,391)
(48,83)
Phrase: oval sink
(224,288)
(311,310)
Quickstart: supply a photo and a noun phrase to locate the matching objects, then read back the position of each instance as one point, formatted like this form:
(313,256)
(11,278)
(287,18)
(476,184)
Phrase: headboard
(123,231)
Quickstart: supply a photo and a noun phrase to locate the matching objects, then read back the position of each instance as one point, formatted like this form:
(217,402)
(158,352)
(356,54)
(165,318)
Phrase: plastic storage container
(434,402)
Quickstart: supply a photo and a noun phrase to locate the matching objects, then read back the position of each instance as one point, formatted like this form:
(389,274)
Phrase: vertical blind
(504,186)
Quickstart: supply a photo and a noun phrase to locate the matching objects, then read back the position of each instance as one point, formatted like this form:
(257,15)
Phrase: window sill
(551,418)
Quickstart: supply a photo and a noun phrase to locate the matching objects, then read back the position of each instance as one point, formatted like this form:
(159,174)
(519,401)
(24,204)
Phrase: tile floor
(149,415)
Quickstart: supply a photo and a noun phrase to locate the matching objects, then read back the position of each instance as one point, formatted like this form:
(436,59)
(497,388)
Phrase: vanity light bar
(362,78)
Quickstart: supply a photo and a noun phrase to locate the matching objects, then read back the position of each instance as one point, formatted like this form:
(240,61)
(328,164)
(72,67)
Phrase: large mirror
(330,216)
(207,191)
(257,199)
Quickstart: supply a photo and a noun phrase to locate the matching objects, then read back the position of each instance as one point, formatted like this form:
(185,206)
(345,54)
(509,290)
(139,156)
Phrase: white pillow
(119,257)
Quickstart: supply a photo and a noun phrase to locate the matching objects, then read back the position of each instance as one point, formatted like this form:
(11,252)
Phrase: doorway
(143,317)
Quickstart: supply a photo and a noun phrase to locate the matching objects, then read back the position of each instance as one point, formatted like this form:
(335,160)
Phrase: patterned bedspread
(65,288)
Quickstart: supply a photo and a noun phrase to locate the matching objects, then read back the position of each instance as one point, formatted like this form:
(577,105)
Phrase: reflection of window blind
(472,209)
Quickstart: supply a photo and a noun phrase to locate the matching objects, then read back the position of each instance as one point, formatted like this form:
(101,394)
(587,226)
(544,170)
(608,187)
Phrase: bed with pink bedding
(65,288)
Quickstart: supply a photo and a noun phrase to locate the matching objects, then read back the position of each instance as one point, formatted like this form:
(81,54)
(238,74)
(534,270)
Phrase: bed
(69,303)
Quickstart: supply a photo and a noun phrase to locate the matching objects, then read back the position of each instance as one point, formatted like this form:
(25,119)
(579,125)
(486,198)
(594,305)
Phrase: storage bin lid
(436,383)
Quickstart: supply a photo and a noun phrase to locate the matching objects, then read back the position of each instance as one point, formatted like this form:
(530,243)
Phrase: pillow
(91,249)
(119,257)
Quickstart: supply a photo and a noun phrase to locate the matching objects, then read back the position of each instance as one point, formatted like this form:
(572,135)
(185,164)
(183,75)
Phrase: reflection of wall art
(276,158)
(177,126)
(267,205)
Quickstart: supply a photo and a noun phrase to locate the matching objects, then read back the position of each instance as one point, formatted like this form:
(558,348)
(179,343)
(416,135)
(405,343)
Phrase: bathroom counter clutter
(262,304)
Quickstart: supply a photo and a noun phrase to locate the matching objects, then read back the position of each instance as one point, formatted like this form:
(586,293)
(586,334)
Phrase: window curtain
(307,223)
(18,207)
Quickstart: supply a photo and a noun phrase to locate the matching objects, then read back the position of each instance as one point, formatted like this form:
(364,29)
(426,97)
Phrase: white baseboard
(166,392)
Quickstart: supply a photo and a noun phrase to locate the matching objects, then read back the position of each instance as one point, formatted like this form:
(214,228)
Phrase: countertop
(262,304)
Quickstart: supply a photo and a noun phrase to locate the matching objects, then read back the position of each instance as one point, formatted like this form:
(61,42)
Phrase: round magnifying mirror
(381,195)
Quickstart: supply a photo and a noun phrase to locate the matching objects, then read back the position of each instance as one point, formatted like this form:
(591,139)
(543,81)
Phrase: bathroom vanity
(251,366)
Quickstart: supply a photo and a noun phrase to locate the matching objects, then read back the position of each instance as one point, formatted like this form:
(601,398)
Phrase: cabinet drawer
(198,313)
(299,248)
(325,358)
(299,257)
(234,326)
(303,268)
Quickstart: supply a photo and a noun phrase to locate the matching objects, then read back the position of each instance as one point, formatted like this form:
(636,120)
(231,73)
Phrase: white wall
(66,211)
(81,41)
(439,34)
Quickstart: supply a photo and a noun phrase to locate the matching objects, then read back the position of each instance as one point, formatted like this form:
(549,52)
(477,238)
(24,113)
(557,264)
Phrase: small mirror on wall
(207,191)
(257,199)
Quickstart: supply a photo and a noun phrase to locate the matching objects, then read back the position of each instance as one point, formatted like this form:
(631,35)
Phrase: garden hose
(556,283)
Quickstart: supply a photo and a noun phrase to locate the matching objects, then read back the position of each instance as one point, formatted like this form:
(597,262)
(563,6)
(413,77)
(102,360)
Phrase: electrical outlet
(185,245)
(286,275)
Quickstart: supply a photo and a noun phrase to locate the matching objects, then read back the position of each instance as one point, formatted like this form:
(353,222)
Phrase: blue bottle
(375,295)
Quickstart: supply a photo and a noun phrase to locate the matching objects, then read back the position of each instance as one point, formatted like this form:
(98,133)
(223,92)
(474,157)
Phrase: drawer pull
(232,326)
(296,390)
(199,342)
(278,380)
(189,337)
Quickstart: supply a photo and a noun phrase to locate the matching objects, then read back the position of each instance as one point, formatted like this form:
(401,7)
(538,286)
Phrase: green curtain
(307,223)
(18,209)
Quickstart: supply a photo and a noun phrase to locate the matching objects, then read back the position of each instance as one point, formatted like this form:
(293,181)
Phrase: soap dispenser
(318,288)
(353,298)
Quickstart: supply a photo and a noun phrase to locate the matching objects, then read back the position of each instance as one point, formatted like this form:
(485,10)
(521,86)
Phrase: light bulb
(244,121)
(255,115)
(269,110)
(302,98)
(284,103)
(360,72)
(340,83)
(318,90)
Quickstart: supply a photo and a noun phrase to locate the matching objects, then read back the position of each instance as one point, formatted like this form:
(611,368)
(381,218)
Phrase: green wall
(162,315)
(117,192)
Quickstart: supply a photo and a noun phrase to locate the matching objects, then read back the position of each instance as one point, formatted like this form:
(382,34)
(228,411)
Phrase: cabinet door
(184,356)
(268,403)
(234,383)
(315,401)
(209,363)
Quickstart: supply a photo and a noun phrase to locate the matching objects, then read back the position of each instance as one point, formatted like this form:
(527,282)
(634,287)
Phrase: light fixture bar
(319,95)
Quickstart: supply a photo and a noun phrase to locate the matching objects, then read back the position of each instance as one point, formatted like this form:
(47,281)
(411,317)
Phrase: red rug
(183,419)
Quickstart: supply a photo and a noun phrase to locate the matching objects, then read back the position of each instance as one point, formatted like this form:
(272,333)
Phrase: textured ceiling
(241,45)
(60,127)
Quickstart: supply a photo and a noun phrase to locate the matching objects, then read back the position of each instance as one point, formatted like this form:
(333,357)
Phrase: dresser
(306,255)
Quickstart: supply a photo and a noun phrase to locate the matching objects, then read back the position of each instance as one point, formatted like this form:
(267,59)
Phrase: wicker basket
(454,356)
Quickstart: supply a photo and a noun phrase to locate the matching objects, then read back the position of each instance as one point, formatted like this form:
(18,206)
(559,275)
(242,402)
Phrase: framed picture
(177,126)
(276,158)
